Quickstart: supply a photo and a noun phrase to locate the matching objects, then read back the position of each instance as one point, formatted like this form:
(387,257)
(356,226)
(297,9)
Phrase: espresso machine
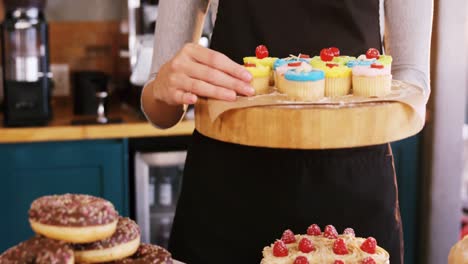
(27,79)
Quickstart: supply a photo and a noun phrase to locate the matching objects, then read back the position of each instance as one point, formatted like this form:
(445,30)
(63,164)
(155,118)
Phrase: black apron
(237,199)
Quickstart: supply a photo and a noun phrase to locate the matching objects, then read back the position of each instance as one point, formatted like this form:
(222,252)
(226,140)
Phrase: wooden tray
(311,126)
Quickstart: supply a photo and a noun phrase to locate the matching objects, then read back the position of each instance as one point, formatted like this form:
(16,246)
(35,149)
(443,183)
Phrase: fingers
(181,97)
(218,78)
(202,88)
(218,61)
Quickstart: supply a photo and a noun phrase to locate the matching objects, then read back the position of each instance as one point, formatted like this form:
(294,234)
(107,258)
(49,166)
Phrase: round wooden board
(311,126)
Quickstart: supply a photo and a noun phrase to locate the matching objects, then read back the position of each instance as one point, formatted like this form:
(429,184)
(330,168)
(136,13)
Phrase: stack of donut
(85,229)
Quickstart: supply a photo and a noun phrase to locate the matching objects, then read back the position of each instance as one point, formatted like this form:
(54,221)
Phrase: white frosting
(364,58)
(324,252)
(370,72)
(304,67)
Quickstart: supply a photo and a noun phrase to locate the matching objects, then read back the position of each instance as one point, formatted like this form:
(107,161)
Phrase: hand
(197,71)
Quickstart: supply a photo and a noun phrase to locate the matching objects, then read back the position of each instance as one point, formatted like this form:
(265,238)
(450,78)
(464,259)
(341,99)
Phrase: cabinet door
(407,156)
(29,171)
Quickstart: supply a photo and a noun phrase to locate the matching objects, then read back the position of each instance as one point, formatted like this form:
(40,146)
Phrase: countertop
(60,128)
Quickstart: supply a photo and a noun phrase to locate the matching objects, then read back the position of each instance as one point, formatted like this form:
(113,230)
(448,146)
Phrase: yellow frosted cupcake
(337,79)
(373,81)
(304,83)
(262,58)
(260,77)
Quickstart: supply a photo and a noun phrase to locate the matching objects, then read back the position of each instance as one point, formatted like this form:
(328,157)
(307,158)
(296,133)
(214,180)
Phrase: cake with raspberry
(327,247)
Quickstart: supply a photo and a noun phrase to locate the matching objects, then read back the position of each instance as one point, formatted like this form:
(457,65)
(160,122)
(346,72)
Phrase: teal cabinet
(407,157)
(29,171)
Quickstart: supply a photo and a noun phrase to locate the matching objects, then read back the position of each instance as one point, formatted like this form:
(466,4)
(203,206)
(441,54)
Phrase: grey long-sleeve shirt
(407,34)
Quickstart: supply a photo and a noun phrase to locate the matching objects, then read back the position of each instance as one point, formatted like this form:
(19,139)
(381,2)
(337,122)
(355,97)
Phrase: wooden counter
(60,128)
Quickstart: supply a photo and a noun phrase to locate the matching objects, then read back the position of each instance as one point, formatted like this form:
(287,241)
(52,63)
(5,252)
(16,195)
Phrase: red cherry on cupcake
(261,52)
(326,55)
(336,51)
(288,237)
(372,53)
(294,64)
(338,262)
(249,64)
(339,247)
(301,260)
(369,245)
(306,246)
(377,66)
(280,249)
(304,56)
(330,232)
(314,230)
(368,260)
(331,65)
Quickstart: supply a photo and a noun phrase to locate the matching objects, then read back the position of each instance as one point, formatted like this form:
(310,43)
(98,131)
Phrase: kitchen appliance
(158,178)
(26,76)
(86,85)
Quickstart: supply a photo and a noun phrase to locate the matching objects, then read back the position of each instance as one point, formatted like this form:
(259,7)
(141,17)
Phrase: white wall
(449,101)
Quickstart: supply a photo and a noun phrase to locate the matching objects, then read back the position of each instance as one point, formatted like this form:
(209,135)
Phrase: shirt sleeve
(407,38)
(175,27)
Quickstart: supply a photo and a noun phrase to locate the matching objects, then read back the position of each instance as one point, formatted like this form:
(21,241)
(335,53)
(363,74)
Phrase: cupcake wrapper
(271,79)
(372,86)
(335,87)
(304,91)
(279,82)
(261,85)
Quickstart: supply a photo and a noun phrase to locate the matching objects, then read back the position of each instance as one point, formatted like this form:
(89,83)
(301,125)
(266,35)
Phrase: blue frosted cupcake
(304,83)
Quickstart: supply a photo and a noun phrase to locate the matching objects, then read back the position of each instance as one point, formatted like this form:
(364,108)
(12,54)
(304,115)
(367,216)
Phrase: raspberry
(330,232)
(288,237)
(339,247)
(368,260)
(338,262)
(301,260)
(369,245)
(306,246)
(314,230)
(349,231)
(280,249)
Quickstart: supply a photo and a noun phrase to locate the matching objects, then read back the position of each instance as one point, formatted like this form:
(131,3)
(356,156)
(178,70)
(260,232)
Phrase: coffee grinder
(25,54)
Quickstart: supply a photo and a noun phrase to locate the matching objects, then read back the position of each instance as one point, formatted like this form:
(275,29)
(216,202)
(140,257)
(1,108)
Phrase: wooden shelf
(60,128)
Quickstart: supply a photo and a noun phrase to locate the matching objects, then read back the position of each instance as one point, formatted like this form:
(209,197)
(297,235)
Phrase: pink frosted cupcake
(373,81)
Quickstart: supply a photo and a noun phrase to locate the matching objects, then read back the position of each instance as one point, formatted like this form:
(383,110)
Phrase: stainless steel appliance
(158,178)
(26,74)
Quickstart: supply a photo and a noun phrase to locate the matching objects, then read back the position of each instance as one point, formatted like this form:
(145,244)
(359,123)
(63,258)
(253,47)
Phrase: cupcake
(260,77)
(304,83)
(337,79)
(329,55)
(262,58)
(373,81)
(281,69)
(371,56)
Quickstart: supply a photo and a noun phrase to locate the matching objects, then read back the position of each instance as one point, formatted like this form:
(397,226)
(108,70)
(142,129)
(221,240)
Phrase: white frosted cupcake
(373,81)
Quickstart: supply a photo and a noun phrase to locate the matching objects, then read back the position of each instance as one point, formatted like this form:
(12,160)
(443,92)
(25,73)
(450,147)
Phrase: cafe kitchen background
(98,52)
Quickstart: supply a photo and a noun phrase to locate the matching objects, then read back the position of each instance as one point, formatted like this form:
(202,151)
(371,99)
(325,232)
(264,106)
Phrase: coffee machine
(27,79)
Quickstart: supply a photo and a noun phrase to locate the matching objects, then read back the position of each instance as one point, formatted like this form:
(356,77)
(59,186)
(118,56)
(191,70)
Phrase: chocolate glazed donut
(148,254)
(39,250)
(123,243)
(73,218)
